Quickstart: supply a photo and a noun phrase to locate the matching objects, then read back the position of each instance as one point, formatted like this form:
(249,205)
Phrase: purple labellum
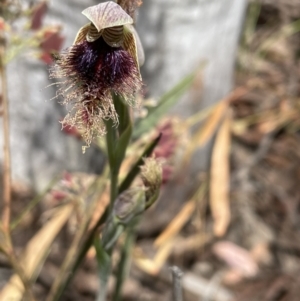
(103,67)
(91,71)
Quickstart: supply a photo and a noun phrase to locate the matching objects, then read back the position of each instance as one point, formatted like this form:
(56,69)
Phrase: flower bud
(151,174)
(129,204)
(130,6)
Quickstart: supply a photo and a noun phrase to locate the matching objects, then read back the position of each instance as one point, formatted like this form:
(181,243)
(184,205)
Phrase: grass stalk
(104,268)
(176,283)
(6,145)
(79,245)
(32,204)
(123,264)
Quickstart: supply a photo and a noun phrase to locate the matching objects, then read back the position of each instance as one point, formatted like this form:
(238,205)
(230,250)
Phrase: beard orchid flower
(103,60)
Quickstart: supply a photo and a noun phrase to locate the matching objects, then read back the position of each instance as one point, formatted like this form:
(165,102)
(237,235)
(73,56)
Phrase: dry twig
(6,163)
(177,289)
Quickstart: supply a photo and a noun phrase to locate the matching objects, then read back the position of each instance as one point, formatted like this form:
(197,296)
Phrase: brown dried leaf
(107,14)
(35,253)
(205,132)
(181,218)
(153,266)
(219,179)
(236,257)
(211,124)
(176,224)
(191,244)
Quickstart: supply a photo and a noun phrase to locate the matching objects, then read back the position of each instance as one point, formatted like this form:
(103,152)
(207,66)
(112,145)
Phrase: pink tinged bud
(58,195)
(67,179)
(2,24)
(167,172)
(151,175)
(38,13)
(72,131)
(52,42)
(46,58)
(166,148)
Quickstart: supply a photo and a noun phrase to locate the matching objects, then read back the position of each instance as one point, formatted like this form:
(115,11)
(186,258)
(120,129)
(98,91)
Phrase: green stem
(103,256)
(104,267)
(123,264)
(113,189)
(111,141)
(117,140)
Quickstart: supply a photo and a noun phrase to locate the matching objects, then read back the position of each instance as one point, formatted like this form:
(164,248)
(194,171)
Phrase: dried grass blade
(98,200)
(181,218)
(32,204)
(35,253)
(176,224)
(153,266)
(214,114)
(219,179)
(211,124)
(205,132)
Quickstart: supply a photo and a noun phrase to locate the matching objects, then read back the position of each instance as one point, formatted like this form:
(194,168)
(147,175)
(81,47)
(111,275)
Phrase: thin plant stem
(111,140)
(70,262)
(177,289)
(7,176)
(104,257)
(32,204)
(104,266)
(113,188)
(89,238)
(117,141)
(15,263)
(123,264)
(6,160)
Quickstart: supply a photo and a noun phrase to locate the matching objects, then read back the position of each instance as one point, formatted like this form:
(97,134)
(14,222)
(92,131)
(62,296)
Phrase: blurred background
(228,215)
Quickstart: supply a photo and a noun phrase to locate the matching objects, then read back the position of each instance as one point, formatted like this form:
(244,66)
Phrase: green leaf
(104,267)
(122,145)
(124,128)
(111,233)
(111,141)
(123,113)
(165,103)
(136,167)
(123,265)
